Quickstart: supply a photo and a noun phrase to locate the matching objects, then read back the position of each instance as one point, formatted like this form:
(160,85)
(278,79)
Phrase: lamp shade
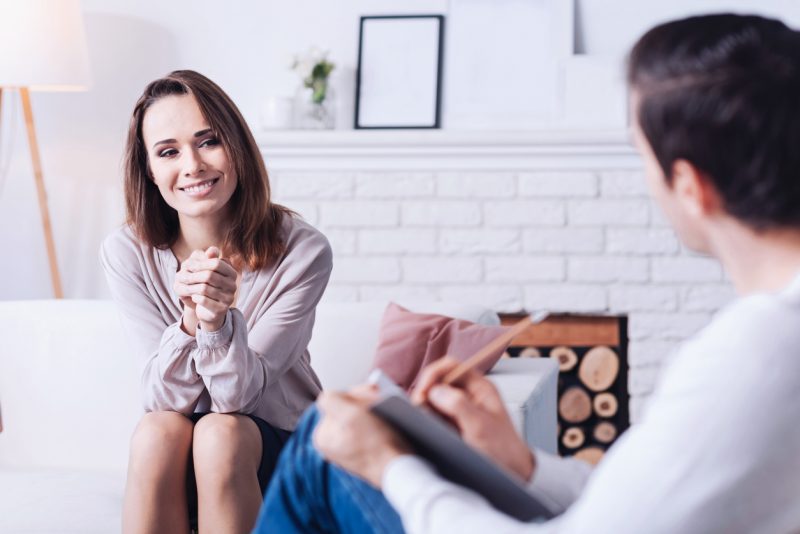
(43,45)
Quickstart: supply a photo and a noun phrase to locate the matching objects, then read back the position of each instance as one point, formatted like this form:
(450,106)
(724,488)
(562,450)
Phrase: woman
(217,287)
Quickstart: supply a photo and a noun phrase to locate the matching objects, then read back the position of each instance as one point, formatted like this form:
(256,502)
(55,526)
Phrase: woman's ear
(694,190)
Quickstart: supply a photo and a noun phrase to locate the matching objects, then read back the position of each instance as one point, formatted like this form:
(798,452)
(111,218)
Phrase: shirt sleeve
(427,503)
(237,365)
(558,482)
(169,379)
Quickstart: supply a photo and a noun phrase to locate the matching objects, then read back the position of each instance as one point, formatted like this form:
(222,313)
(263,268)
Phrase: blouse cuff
(220,338)
(175,336)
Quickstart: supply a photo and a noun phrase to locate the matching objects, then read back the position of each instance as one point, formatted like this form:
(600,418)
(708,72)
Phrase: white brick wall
(394,185)
(397,241)
(563,240)
(525,213)
(576,241)
(441,213)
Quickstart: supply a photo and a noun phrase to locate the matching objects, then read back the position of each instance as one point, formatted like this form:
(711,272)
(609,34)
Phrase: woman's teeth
(199,188)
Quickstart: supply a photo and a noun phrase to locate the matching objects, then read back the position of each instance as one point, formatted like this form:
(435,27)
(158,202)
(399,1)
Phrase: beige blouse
(257,363)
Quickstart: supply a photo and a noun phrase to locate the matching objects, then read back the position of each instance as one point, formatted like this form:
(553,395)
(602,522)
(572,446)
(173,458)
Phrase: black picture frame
(378,105)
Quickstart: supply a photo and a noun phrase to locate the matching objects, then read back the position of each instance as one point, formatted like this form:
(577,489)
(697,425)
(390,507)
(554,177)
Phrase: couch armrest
(529,389)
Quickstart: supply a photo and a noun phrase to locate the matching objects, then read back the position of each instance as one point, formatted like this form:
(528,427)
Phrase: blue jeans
(308,494)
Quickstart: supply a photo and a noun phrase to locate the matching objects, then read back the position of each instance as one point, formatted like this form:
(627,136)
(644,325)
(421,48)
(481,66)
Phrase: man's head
(715,104)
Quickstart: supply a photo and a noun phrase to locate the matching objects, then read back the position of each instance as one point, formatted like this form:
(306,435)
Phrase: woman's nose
(194,163)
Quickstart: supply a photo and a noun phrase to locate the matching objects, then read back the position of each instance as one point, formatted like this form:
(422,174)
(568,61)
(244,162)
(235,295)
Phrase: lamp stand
(40,190)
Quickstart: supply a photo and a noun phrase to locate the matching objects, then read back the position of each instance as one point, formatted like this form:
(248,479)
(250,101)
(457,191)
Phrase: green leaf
(320,88)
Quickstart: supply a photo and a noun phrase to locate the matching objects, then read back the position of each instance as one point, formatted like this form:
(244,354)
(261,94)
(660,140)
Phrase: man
(716,107)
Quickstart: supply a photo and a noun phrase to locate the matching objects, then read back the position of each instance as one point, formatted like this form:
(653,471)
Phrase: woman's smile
(200,189)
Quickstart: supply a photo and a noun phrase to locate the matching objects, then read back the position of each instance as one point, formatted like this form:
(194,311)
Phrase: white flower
(304,63)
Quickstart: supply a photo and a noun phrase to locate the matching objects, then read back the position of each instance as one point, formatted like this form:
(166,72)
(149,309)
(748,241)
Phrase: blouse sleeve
(237,366)
(169,379)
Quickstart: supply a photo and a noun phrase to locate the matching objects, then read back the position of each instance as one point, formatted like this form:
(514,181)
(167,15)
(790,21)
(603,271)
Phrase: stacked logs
(596,371)
(592,385)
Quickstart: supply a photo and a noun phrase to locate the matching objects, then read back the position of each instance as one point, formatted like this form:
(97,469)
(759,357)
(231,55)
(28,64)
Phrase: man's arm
(428,503)
(352,437)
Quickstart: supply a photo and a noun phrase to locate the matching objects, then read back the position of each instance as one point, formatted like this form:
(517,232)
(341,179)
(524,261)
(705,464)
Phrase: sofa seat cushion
(69,386)
(60,501)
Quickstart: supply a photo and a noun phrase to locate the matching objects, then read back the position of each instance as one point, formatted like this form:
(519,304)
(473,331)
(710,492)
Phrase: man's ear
(694,190)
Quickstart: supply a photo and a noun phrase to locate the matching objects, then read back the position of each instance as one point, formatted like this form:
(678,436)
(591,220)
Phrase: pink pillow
(409,341)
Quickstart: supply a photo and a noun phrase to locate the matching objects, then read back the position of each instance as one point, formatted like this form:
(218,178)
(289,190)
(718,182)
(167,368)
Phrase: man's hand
(475,407)
(350,436)
(206,284)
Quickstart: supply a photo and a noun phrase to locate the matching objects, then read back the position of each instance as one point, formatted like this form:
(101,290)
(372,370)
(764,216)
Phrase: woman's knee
(225,443)
(159,438)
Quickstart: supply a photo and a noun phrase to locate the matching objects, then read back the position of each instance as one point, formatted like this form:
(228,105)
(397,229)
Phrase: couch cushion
(69,385)
(63,502)
(410,341)
(345,335)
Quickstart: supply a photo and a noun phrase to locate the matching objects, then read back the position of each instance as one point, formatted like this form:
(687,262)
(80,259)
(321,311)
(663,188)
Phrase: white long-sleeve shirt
(718,449)
(257,363)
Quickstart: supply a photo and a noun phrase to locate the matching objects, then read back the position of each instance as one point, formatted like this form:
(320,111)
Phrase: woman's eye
(211,141)
(167,153)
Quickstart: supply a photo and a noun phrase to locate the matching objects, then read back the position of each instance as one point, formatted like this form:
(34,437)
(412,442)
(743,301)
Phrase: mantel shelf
(442,149)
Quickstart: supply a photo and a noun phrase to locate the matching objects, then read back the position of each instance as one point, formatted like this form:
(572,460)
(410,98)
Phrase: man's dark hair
(723,93)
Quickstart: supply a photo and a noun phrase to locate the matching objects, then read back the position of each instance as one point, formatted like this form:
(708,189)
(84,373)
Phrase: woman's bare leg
(227,454)
(155,493)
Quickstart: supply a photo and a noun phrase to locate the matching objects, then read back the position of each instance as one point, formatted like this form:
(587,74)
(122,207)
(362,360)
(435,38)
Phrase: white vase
(276,113)
(309,115)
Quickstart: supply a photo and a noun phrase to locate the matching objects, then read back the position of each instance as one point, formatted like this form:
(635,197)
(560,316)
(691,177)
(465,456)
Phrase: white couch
(69,400)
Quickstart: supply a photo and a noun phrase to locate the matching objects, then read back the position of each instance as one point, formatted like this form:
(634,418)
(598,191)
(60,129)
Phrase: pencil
(493,346)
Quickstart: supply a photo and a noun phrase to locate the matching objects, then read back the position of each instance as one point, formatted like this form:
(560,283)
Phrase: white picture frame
(504,63)
(399,78)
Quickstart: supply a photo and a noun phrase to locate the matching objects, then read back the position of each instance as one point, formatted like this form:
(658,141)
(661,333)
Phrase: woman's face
(187,161)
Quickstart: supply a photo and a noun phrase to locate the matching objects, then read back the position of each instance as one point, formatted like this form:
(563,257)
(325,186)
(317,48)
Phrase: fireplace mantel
(432,150)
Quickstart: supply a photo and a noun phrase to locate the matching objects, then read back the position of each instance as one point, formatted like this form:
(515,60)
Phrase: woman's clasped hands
(206,285)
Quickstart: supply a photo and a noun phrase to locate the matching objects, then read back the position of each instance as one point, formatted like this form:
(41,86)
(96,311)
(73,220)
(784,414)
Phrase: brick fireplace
(534,220)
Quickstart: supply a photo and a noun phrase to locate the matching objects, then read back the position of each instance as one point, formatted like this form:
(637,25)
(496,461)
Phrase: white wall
(245,46)
(610,27)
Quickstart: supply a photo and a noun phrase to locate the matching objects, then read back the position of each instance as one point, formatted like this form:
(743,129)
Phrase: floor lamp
(44,49)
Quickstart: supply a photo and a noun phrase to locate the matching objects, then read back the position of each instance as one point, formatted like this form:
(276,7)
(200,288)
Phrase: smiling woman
(217,287)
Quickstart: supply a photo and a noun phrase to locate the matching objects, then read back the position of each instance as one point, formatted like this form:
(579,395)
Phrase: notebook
(455,460)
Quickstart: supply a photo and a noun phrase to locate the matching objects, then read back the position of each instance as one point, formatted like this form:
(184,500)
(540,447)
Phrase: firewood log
(575,406)
(590,454)
(566,358)
(605,405)
(605,432)
(599,368)
(573,437)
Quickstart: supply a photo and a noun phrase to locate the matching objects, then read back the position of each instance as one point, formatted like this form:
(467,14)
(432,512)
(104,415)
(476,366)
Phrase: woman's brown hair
(254,232)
